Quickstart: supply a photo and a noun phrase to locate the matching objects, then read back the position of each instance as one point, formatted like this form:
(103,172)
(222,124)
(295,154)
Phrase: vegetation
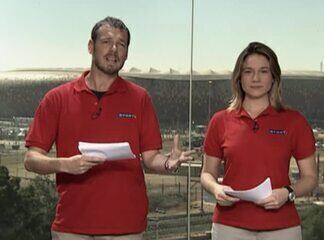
(159,203)
(26,212)
(313,223)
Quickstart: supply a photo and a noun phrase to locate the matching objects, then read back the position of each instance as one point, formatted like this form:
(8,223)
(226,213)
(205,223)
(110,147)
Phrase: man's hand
(278,198)
(177,156)
(80,164)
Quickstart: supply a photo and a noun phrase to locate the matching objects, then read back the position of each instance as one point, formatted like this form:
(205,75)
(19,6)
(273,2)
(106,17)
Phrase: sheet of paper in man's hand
(260,192)
(108,151)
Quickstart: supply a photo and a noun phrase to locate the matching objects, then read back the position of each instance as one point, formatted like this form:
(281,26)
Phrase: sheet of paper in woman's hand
(108,151)
(255,194)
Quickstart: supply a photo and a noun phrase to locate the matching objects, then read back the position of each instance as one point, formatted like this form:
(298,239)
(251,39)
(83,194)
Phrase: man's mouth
(111,59)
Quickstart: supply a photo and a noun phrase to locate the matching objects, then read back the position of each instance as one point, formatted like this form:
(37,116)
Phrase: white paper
(260,192)
(108,151)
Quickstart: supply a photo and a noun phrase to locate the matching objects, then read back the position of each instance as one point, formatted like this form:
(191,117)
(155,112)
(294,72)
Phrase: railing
(175,226)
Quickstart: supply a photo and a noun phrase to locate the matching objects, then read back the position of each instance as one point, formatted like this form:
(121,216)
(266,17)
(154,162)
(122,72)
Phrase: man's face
(109,51)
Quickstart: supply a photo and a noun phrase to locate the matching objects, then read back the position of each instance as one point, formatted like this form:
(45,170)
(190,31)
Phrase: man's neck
(99,81)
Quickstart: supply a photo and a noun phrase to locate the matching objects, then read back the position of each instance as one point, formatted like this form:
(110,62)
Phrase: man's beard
(107,69)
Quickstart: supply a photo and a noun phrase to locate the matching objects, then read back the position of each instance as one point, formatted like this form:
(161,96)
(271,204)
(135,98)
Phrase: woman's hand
(278,198)
(222,198)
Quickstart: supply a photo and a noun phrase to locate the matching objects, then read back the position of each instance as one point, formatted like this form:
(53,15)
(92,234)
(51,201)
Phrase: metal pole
(201,188)
(318,176)
(190,112)
(209,99)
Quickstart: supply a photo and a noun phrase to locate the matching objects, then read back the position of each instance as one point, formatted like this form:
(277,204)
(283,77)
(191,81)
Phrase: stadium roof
(151,73)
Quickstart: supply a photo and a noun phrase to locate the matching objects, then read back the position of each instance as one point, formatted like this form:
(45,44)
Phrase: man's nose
(113,46)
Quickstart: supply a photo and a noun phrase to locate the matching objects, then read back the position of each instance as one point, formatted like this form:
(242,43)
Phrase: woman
(256,136)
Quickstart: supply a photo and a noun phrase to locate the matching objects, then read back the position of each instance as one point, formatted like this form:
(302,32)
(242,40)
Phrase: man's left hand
(178,156)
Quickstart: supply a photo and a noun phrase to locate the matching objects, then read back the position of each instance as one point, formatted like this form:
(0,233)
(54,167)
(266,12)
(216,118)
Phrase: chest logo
(278,131)
(126,115)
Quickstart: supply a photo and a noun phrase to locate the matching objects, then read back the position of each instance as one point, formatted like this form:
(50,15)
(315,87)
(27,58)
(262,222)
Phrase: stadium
(21,91)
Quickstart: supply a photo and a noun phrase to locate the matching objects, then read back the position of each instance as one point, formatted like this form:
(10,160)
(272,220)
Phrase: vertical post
(209,99)
(190,121)
(179,188)
(17,163)
(162,187)
(201,188)
(157,229)
(318,176)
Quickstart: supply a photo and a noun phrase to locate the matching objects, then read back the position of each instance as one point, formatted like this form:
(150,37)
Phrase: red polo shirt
(253,150)
(110,198)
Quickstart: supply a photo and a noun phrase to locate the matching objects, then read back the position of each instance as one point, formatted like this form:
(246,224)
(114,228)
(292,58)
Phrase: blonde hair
(237,91)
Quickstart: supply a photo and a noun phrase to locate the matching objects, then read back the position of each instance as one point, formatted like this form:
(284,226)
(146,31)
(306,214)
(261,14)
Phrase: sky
(55,33)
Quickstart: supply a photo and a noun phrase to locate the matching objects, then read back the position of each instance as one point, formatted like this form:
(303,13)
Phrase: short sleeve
(43,129)
(303,142)
(150,136)
(213,138)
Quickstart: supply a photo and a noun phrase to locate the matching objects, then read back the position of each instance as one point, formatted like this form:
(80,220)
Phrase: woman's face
(256,77)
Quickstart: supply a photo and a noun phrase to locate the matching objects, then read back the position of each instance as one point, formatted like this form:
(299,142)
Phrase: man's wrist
(167,167)
(166,164)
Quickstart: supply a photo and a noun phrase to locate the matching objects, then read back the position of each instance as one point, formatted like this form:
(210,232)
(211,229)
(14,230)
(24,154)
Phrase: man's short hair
(113,22)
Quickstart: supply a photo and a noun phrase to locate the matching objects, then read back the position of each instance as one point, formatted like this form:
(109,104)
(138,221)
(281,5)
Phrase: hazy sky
(55,33)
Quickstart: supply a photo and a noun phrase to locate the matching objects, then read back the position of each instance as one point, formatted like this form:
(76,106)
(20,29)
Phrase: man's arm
(158,162)
(37,161)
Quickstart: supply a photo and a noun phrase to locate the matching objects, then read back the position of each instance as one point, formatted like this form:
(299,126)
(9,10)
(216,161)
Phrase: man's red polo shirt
(253,150)
(110,198)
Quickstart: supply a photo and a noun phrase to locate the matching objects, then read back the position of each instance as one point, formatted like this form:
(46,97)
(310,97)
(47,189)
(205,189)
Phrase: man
(99,199)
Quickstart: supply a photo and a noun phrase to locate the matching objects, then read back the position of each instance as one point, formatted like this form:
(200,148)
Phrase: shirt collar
(270,110)
(119,85)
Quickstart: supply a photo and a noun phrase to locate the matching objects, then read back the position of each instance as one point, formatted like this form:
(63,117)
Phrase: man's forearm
(157,162)
(41,164)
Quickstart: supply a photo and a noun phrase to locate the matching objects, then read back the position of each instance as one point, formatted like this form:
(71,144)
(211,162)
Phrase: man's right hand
(37,161)
(80,164)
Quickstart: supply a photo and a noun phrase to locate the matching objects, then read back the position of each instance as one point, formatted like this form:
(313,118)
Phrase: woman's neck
(255,107)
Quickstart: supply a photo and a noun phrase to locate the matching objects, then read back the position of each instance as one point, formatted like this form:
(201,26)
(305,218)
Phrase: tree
(313,223)
(26,212)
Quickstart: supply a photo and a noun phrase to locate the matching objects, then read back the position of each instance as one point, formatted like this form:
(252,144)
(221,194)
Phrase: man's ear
(90,46)
(126,54)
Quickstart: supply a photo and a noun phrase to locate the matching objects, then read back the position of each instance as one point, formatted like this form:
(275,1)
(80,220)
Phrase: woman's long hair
(275,91)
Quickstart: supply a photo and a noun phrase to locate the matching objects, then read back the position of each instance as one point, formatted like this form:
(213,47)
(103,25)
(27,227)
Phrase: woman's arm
(208,179)
(305,184)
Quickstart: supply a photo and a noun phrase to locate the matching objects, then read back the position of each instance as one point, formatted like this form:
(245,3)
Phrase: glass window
(44,44)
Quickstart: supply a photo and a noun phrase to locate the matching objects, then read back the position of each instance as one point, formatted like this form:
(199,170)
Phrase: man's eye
(123,45)
(106,41)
